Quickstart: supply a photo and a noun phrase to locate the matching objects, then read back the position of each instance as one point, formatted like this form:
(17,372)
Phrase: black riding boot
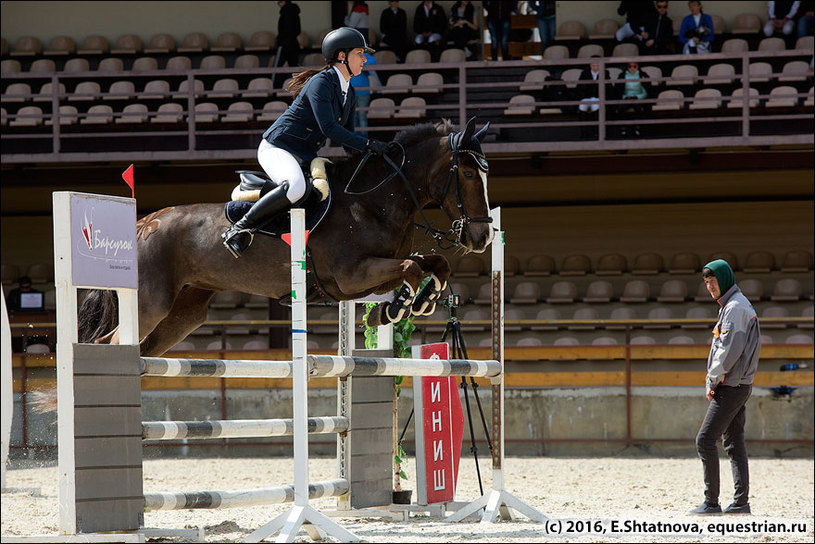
(239,236)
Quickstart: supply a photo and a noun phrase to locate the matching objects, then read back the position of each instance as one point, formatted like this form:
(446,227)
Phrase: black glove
(376,147)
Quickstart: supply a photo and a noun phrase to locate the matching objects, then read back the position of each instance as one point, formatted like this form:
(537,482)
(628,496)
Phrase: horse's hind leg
(189,311)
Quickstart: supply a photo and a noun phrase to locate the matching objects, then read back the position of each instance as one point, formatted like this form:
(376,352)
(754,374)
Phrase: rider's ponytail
(299,80)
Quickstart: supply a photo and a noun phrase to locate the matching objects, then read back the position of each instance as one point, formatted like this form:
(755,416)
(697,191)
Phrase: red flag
(286,237)
(127,175)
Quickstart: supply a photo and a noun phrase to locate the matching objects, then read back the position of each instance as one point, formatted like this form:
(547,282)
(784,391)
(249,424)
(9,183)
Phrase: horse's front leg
(379,275)
(438,267)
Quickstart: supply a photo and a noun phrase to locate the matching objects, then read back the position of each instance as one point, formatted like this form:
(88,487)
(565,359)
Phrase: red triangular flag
(127,175)
(287,237)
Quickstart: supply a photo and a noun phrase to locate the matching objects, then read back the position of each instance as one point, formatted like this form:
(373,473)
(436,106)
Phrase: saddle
(253,184)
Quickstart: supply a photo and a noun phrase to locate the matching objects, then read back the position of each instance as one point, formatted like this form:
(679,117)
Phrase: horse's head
(464,194)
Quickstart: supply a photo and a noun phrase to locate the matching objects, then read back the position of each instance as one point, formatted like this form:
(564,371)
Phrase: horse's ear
(481,132)
(469,130)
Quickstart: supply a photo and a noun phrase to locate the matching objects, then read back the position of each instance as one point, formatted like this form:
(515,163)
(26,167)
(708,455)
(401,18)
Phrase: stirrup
(231,233)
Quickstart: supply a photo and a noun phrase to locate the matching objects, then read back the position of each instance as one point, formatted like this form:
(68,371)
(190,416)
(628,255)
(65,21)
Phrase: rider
(323,107)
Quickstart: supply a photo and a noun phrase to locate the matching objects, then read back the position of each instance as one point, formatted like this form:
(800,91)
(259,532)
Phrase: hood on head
(724,274)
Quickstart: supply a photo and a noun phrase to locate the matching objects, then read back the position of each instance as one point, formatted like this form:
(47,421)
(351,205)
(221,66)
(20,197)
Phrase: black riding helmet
(343,39)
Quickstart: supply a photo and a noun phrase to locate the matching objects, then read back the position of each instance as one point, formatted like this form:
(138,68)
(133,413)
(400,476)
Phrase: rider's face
(356,58)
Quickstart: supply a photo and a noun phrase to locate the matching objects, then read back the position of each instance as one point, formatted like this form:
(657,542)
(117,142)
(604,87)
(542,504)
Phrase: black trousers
(725,418)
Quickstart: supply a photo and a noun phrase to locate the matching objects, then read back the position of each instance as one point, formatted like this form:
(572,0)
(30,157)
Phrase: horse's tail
(98,314)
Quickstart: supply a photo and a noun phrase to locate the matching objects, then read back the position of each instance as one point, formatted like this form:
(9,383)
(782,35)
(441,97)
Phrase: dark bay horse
(361,247)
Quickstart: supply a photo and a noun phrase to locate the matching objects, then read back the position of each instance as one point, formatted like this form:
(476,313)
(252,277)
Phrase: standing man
(656,31)
(288,29)
(393,25)
(731,365)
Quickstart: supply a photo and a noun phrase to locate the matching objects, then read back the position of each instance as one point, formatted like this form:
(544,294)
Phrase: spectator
(463,26)
(545,10)
(23,297)
(358,18)
(633,90)
(429,23)
(635,12)
(499,21)
(807,18)
(696,33)
(781,17)
(288,29)
(362,84)
(656,31)
(393,26)
(589,93)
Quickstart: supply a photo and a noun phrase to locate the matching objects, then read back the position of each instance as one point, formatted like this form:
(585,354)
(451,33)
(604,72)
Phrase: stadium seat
(185,345)
(528,341)
(246,62)
(262,40)
(612,264)
(452,56)
(27,46)
(417,56)
(787,289)
(3,117)
(469,266)
(795,70)
(224,88)
(184,86)
(168,113)
(621,314)
(100,114)
(571,76)
(566,340)
(27,116)
(304,40)
(774,311)
(227,300)
(556,52)
(805,43)
(604,29)
(625,50)
(228,42)
(731,258)
(239,112)
(129,44)
(526,292)
(283,91)
(160,44)
(681,339)
(702,294)
(772,44)
(213,62)
(584,314)
(381,108)
(659,313)
(10,66)
(40,66)
(133,114)
(512,266)
(195,42)
(636,291)
(520,104)
(120,90)
(705,313)
(206,112)
(575,265)
(397,84)
(46,93)
(110,64)
(798,339)
(60,46)
(673,291)
(570,30)
(179,63)
(85,91)
(470,315)
(562,292)
(670,100)
(77,64)
(219,345)
(809,311)
(93,45)
(313,60)
(428,83)
(258,87)
(720,74)
(599,291)
(797,261)
(654,75)
(752,288)
(68,115)
(719,25)
(810,99)
(735,46)
(412,107)
(642,339)
(513,314)
(746,23)
(683,75)
(604,341)
(385,57)
(17,92)
(783,96)
(590,50)
(737,98)
(272,110)
(539,265)
(706,99)
(547,314)
(685,263)
(760,72)
(534,80)
(156,89)
(647,263)
(759,262)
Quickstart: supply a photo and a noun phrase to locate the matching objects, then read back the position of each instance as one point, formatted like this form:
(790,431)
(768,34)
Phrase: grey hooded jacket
(734,353)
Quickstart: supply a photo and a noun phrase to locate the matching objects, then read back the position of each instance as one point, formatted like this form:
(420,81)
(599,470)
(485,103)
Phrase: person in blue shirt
(696,32)
(323,107)
(361,84)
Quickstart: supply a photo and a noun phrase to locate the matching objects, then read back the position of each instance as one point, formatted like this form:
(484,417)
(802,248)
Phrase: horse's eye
(468,174)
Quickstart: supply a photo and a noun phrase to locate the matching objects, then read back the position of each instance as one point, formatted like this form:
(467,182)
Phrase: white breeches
(280,165)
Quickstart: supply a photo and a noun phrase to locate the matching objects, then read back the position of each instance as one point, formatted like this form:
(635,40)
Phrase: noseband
(444,239)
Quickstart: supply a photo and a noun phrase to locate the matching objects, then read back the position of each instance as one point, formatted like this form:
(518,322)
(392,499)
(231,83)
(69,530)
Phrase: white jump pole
(301,515)
(7,391)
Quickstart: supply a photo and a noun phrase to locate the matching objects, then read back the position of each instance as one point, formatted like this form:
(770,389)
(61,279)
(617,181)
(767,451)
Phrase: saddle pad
(315,212)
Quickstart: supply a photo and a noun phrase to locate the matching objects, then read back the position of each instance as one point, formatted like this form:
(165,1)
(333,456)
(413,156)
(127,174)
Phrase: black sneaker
(705,509)
(737,509)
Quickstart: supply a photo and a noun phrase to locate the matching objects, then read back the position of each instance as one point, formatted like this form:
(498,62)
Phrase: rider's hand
(376,147)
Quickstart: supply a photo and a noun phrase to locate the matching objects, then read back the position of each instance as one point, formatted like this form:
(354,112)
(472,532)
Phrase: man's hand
(376,147)
(709,393)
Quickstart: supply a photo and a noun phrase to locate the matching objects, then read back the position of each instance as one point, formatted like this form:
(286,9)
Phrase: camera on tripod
(453,300)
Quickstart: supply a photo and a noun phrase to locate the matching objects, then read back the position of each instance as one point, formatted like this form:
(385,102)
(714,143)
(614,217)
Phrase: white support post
(301,515)
(7,390)
(347,320)
(498,500)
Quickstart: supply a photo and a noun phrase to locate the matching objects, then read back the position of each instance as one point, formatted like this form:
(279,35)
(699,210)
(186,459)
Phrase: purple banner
(103,241)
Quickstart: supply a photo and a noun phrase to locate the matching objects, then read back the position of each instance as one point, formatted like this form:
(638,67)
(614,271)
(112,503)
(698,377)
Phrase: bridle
(444,239)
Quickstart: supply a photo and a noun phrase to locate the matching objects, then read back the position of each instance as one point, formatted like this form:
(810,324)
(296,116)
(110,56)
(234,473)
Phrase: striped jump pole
(238,428)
